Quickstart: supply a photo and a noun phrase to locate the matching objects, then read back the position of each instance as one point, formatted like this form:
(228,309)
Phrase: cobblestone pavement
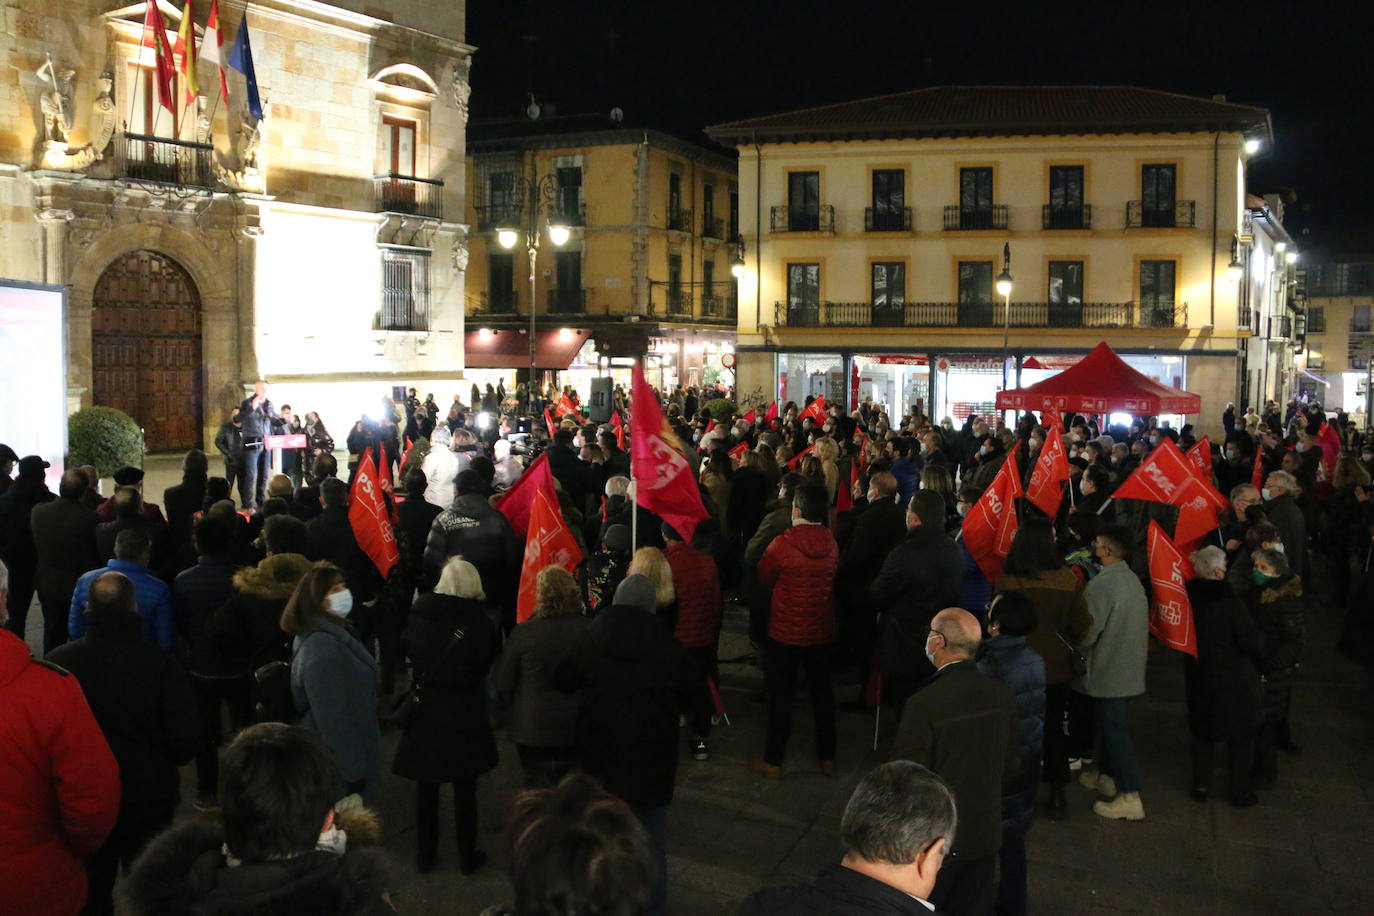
(1308,847)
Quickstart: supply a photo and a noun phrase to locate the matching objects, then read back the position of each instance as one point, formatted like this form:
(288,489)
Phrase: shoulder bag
(406,705)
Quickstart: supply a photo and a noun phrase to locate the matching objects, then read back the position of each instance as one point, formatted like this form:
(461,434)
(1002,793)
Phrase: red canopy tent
(1101,382)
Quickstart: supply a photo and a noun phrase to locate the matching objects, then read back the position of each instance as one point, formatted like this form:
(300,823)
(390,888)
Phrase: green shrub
(720,409)
(106,438)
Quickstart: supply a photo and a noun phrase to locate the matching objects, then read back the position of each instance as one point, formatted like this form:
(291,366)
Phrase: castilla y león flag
(663,479)
(1171,613)
(1168,476)
(1045,489)
(367,515)
(991,523)
(549,543)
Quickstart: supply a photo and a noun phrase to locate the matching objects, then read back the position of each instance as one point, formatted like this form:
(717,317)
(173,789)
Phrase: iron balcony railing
(567,300)
(887,219)
(499,216)
(802,219)
(499,302)
(409,195)
(166,161)
(723,307)
(1182,214)
(959,217)
(405,291)
(1066,217)
(680,220)
(1093,315)
(1281,327)
(712,228)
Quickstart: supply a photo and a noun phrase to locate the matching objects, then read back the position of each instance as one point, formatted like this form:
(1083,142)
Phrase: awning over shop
(509,349)
(1101,382)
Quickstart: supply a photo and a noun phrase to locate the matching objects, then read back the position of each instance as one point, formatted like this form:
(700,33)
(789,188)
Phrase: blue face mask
(340,603)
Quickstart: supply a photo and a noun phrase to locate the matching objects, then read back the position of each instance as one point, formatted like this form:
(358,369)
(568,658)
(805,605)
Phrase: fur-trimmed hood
(184,871)
(1284,588)
(273,579)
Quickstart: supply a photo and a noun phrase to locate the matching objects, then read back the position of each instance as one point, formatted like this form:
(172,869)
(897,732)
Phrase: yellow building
(319,248)
(1340,334)
(875,234)
(644,264)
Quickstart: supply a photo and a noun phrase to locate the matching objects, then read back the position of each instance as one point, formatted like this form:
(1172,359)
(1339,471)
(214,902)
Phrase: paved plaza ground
(1308,847)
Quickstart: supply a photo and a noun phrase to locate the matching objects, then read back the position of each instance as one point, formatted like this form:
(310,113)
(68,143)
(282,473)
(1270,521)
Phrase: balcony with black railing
(887,219)
(1056,315)
(565,300)
(1280,327)
(680,220)
(1181,214)
(499,216)
(712,228)
(409,195)
(786,218)
(1054,216)
(162,160)
(722,306)
(499,302)
(975,218)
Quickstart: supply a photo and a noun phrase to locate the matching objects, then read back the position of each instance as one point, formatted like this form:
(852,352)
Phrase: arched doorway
(145,347)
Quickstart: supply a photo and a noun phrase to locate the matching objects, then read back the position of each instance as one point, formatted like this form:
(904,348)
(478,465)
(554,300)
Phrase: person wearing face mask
(1280,505)
(1275,602)
(334,677)
(1094,489)
(1235,466)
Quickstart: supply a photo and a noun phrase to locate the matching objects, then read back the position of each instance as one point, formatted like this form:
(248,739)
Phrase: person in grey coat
(543,718)
(1115,646)
(334,677)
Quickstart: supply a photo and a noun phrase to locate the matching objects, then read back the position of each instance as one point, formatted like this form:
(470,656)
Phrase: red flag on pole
(1330,442)
(164,66)
(367,515)
(564,406)
(1167,476)
(1201,457)
(738,452)
(1171,613)
(548,421)
(772,413)
(663,479)
(991,523)
(515,504)
(815,410)
(549,543)
(1257,474)
(749,415)
(863,450)
(386,482)
(212,47)
(1045,489)
(796,459)
(844,499)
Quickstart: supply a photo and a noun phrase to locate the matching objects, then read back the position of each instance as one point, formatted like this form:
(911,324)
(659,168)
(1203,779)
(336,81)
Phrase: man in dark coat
(1275,601)
(921,575)
(279,848)
(229,442)
(17,548)
(331,538)
(1223,684)
(878,526)
(257,414)
(64,536)
(895,834)
(617,462)
(572,472)
(962,726)
(128,504)
(142,702)
(633,679)
(482,535)
(184,500)
(130,477)
(1280,495)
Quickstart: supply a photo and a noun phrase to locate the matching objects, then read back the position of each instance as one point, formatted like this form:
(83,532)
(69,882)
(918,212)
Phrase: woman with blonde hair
(451,641)
(827,451)
(650,562)
(543,718)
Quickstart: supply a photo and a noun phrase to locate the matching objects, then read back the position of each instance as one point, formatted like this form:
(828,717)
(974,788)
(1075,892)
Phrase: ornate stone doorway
(145,347)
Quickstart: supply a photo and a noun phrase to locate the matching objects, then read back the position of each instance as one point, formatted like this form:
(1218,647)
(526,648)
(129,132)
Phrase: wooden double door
(146,348)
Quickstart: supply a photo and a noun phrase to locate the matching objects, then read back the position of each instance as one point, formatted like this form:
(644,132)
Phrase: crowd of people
(838,535)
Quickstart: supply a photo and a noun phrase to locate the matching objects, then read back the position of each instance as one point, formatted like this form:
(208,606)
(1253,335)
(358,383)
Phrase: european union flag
(241,59)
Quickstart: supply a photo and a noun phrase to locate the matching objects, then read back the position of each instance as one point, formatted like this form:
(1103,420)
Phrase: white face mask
(1277,548)
(1230,456)
(1154,440)
(984,450)
(1035,445)
(1266,494)
(340,603)
(962,509)
(930,656)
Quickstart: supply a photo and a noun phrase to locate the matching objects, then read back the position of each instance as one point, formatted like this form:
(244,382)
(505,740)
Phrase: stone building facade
(321,249)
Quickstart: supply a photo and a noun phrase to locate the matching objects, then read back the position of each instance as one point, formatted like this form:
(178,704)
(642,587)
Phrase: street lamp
(737,260)
(1004,283)
(541,198)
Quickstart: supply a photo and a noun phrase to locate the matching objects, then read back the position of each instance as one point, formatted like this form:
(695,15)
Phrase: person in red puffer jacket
(59,783)
(696,580)
(799,568)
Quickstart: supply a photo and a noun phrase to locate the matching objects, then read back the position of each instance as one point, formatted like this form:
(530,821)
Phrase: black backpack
(272,700)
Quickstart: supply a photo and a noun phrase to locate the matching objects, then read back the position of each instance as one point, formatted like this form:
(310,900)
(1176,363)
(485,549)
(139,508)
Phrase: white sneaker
(1126,806)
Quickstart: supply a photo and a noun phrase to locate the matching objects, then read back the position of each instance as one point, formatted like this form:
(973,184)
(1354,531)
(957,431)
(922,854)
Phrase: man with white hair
(508,468)
(1280,504)
(963,726)
(59,783)
(441,469)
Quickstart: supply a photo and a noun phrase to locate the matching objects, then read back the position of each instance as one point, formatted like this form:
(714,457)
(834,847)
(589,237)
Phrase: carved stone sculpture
(460,252)
(56,102)
(56,108)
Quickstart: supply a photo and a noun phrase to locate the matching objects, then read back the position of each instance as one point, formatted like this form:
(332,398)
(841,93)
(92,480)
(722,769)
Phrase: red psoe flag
(1171,613)
(1168,476)
(564,406)
(1045,489)
(739,451)
(367,516)
(517,503)
(749,415)
(1257,473)
(550,543)
(663,479)
(548,421)
(815,410)
(991,524)
(844,498)
(1201,457)
(772,413)
(795,460)
(165,67)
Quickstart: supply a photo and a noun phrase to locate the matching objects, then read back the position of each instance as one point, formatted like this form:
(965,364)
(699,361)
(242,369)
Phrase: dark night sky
(681,66)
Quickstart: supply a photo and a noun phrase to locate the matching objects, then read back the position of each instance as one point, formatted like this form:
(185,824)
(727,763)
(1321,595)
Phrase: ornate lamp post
(1004,284)
(540,199)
